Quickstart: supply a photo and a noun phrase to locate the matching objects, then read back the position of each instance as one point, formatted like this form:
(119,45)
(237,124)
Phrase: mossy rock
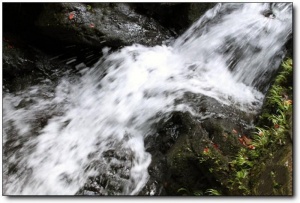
(184,141)
(273,176)
(190,167)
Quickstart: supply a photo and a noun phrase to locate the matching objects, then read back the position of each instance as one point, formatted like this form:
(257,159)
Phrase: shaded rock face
(178,148)
(20,17)
(275,176)
(98,25)
(175,16)
(289,47)
(24,65)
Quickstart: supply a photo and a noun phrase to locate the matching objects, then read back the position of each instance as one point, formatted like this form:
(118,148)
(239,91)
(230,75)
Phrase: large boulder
(99,24)
(193,154)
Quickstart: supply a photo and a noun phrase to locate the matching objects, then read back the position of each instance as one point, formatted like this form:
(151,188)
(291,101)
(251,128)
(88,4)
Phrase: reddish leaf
(289,102)
(247,140)
(92,25)
(276,126)
(71,15)
(242,141)
(251,147)
(206,150)
(215,146)
(234,131)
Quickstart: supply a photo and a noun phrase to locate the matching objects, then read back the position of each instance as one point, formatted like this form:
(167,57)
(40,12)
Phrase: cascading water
(57,135)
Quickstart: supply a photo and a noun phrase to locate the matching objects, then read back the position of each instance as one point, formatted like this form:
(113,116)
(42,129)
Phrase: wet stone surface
(99,25)
(178,146)
(113,173)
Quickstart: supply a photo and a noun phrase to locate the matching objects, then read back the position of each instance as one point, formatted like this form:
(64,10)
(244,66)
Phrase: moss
(269,163)
(274,175)
(261,167)
(197,168)
(218,155)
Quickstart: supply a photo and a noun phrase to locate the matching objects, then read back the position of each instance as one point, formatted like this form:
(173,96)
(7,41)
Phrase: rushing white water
(55,133)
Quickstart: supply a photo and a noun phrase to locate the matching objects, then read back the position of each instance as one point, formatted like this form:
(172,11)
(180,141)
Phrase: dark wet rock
(274,175)
(20,17)
(175,16)
(100,24)
(289,47)
(16,62)
(25,65)
(178,148)
(113,172)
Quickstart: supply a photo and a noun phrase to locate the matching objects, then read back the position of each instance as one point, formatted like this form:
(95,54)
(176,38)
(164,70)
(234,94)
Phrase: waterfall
(57,134)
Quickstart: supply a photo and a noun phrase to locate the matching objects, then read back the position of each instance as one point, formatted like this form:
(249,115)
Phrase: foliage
(210,192)
(278,106)
(88,7)
(213,192)
(273,127)
(276,124)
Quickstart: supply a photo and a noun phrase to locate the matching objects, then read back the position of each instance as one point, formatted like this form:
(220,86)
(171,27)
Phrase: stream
(59,133)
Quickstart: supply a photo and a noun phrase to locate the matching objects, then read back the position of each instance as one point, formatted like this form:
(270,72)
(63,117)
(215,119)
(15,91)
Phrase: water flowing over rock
(118,127)
(252,59)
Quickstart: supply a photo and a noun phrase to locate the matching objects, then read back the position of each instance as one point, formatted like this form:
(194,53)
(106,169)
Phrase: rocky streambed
(190,154)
